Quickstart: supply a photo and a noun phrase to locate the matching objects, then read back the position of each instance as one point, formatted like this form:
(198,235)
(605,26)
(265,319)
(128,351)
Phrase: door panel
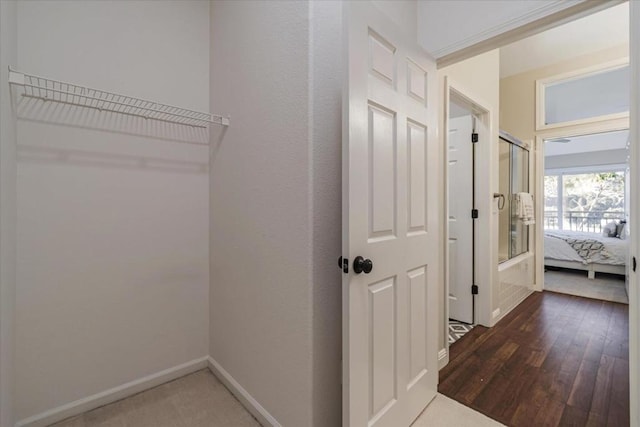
(460,221)
(417,184)
(382,173)
(382,355)
(391,174)
(418,331)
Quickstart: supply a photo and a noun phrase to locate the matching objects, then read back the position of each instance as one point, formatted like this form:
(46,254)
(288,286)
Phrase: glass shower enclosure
(514,179)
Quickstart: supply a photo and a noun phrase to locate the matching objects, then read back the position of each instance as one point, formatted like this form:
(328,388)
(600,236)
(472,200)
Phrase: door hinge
(474,289)
(343,263)
(634,264)
(474,137)
(474,213)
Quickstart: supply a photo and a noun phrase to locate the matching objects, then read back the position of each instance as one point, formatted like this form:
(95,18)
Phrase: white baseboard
(250,404)
(501,315)
(109,396)
(443,358)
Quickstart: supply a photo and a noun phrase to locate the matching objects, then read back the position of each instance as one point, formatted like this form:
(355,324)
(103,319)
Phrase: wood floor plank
(573,417)
(599,409)
(496,390)
(619,400)
(481,377)
(554,360)
(549,415)
(583,386)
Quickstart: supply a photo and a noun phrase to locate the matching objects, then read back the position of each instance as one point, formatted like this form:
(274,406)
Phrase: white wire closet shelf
(45,89)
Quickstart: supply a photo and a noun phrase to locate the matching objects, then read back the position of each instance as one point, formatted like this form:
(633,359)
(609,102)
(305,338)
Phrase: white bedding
(556,248)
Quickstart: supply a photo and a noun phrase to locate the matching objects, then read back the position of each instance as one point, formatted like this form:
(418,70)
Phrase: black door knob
(361,265)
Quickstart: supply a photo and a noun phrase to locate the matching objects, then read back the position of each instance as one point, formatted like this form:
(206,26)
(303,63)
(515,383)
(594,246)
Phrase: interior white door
(460,221)
(392,217)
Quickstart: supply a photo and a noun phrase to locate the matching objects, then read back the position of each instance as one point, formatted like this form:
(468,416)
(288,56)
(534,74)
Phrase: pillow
(620,234)
(610,230)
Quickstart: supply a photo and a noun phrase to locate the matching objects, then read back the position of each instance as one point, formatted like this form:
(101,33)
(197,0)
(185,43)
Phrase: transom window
(584,96)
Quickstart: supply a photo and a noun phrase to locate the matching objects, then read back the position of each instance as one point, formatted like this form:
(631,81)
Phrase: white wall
(112,226)
(275,203)
(8,56)
(326,151)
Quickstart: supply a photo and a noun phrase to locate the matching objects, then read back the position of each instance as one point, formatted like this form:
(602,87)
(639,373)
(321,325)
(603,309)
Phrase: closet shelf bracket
(45,89)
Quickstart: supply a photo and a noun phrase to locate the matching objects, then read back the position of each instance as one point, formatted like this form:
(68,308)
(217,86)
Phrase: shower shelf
(35,87)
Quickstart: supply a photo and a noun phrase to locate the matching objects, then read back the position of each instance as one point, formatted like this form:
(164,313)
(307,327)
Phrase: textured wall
(261,229)
(8,57)
(326,149)
(112,212)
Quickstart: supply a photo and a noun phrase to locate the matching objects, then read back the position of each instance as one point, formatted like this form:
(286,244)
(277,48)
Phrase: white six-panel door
(391,216)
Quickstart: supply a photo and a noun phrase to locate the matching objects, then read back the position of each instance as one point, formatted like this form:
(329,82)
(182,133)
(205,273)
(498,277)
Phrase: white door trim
(634,166)
(483,300)
(590,127)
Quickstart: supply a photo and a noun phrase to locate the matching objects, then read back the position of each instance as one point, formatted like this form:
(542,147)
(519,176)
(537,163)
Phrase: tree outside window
(585,201)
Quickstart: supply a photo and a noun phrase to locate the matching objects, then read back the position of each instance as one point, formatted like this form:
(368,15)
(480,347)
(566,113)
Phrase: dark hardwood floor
(554,360)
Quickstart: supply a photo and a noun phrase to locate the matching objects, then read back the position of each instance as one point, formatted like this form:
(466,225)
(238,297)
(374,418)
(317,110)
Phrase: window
(583,200)
(589,95)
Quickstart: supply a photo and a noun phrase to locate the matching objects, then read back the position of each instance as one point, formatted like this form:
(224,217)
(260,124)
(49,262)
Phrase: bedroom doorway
(586,210)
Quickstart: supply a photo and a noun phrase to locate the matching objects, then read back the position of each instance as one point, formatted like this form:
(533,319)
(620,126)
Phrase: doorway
(586,211)
(520,91)
(466,129)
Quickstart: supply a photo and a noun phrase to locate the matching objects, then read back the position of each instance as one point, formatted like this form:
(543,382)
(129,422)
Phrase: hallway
(554,360)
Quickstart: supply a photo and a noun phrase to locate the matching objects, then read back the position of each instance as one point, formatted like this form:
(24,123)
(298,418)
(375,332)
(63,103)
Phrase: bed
(558,252)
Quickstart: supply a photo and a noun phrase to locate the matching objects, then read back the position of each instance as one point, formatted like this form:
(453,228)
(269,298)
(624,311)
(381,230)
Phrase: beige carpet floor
(200,400)
(197,400)
(607,287)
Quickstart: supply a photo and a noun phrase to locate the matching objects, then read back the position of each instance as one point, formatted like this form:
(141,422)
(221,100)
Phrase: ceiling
(446,26)
(588,143)
(592,33)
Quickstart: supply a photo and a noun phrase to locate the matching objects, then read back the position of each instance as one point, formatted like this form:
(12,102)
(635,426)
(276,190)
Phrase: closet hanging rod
(46,89)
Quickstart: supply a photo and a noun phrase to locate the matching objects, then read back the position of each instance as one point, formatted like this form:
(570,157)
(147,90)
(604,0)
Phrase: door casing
(483,204)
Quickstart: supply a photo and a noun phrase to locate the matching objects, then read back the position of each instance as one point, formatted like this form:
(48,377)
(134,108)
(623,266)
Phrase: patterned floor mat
(457,330)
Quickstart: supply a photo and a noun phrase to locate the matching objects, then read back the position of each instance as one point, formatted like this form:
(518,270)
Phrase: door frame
(634,163)
(592,127)
(483,299)
(634,211)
